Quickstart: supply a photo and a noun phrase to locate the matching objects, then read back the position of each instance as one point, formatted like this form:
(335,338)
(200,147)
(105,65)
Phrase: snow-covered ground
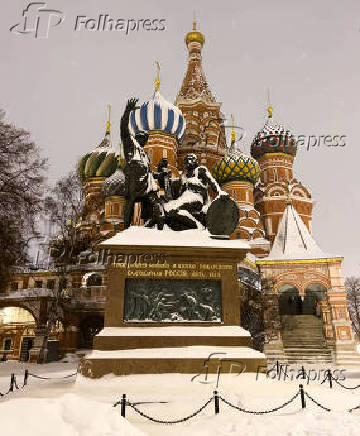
(83,407)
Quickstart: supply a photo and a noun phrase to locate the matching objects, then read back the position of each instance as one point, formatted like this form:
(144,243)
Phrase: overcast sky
(306,51)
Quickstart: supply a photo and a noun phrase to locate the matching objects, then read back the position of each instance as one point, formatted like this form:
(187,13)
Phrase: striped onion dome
(273,138)
(158,114)
(236,166)
(101,162)
(115,184)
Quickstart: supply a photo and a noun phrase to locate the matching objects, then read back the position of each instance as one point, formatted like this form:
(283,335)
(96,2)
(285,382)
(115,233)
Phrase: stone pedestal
(173,306)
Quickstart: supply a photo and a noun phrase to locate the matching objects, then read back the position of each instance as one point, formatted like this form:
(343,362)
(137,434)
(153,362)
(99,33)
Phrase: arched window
(275,175)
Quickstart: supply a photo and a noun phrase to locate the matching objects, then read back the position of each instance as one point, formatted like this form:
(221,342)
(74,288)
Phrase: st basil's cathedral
(306,317)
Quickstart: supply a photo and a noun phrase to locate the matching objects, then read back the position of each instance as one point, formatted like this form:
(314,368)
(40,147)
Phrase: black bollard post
(330,378)
(26,376)
(123,405)
(303,372)
(217,405)
(12,383)
(302,395)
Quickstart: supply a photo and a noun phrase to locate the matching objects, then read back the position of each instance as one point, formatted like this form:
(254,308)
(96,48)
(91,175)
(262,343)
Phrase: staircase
(304,340)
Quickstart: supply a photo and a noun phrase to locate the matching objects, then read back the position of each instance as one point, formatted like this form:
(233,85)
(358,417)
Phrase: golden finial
(108,119)
(157,78)
(232,129)
(269,107)
(195,35)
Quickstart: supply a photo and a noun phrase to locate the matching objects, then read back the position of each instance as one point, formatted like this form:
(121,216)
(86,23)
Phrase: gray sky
(307,52)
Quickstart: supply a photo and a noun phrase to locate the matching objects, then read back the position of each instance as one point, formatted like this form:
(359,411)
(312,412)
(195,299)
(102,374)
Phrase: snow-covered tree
(21,190)
(64,206)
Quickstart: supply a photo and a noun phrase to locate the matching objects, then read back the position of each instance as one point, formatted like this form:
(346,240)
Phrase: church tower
(237,174)
(205,134)
(275,148)
(165,124)
(93,168)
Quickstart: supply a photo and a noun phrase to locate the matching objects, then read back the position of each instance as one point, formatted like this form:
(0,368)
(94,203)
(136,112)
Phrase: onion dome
(101,162)
(160,115)
(273,138)
(115,184)
(236,166)
(195,36)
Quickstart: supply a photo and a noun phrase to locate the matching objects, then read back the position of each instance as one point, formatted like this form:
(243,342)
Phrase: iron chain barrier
(331,378)
(354,408)
(317,403)
(262,412)
(346,387)
(53,378)
(14,384)
(177,421)
(217,398)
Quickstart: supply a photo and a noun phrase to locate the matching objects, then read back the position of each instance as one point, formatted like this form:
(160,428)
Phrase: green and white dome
(101,162)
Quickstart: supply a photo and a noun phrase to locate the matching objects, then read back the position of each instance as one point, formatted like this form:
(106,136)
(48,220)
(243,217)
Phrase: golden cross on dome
(269,107)
(108,118)
(232,129)
(157,78)
(194,20)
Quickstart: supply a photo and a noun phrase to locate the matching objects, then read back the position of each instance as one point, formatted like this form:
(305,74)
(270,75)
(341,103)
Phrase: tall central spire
(205,134)
(195,85)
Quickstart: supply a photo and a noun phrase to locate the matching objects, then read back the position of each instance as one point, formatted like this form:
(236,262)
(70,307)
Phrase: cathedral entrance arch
(314,294)
(290,302)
